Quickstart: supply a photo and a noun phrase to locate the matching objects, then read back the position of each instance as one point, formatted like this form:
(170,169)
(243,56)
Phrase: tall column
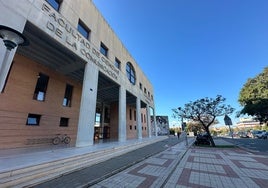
(155,123)
(85,133)
(5,66)
(148,121)
(122,133)
(138,114)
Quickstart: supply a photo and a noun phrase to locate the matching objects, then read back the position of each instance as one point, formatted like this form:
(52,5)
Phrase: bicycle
(61,138)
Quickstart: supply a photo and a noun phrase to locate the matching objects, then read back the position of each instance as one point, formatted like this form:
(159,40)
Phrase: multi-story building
(248,124)
(75,77)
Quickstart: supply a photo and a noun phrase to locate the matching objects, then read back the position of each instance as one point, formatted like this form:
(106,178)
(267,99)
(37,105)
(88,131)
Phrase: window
(144,118)
(41,87)
(68,95)
(33,119)
(103,49)
(135,127)
(131,73)
(117,63)
(64,122)
(141,118)
(145,90)
(130,114)
(82,28)
(135,115)
(55,4)
(148,94)
(130,127)
(141,86)
(97,119)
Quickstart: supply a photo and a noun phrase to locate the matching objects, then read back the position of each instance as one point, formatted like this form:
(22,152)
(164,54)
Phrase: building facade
(75,77)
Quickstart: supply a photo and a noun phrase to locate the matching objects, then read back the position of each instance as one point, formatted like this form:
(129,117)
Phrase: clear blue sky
(190,49)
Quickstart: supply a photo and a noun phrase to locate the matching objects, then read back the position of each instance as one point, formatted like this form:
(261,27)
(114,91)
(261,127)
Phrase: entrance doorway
(106,116)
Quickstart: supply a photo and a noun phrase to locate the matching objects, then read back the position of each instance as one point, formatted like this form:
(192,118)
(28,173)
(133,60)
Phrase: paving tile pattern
(198,167)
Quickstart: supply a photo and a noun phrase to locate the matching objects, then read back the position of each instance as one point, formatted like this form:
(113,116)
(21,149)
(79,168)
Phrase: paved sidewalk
(198,167)
(95,173)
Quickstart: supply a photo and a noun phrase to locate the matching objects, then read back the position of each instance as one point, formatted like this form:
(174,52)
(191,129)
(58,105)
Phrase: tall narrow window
(41,87)
(131,73)
(117,63)
(33,119)
(82,28)
(135,118)
(104,49)
(130,114)
(144,119)
(55,4)
(68,95)
(141,118)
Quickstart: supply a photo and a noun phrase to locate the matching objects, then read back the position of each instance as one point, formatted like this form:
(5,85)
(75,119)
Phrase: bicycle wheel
(67,140)
(56,140)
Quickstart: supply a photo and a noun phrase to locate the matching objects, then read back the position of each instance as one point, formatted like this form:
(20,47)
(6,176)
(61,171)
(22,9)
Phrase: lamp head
(12,38)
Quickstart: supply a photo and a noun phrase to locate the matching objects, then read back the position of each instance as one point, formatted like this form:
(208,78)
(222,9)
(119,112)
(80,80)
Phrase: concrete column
(5,66)
(138,114)
(85,133)
(149,131)
(122,133)
(155,124)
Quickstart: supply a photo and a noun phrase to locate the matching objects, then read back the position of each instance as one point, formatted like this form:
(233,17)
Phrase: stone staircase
(35,174)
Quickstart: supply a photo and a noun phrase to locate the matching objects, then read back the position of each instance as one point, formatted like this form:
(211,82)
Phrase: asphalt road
(252,144)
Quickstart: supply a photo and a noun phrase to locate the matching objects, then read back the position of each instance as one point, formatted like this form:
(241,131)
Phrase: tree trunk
(210,138)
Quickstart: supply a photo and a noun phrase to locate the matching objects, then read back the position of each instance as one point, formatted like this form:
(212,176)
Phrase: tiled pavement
(198,167)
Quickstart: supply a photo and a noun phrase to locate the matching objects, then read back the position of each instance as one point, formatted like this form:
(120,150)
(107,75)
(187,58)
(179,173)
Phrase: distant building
(248,123)
(75,78)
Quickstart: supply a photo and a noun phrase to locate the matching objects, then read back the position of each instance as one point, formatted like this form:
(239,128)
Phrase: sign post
(228,121)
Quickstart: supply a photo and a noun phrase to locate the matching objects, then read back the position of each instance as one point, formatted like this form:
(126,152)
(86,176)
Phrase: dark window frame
(131,74)
(64,122)
(41,87)
(67,100)
(83,29)
(117,63)
(33,117)
(55,4)
(104,49)
(130,114)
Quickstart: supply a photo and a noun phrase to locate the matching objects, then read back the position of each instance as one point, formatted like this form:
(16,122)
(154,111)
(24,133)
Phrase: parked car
(255,133)
(263,135)
(242,134)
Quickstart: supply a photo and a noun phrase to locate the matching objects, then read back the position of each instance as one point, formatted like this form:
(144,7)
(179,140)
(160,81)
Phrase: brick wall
(17,102)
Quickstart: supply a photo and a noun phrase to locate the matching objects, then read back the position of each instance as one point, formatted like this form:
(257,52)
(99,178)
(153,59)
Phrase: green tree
(254,97)
(204,111)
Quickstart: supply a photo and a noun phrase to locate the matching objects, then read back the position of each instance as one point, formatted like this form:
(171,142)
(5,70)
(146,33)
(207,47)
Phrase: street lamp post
(11,38)
(183,128)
